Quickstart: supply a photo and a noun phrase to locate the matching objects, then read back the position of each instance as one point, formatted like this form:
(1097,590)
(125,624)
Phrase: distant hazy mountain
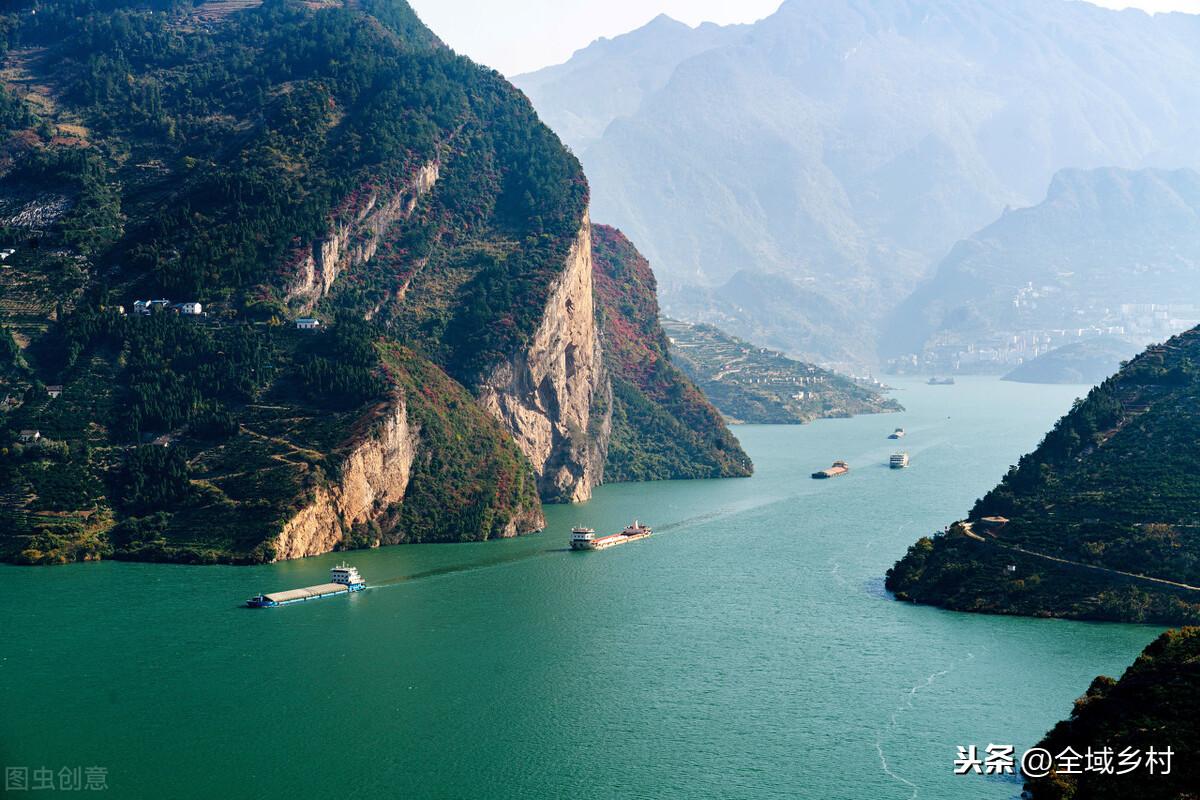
(1102,239)
(1087,362)
(776,311)
(616,75)
(853,141)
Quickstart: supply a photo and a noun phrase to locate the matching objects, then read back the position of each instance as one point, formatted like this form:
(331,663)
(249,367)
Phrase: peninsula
(1099,522)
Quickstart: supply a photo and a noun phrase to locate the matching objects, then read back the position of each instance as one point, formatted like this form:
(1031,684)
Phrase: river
(747,650)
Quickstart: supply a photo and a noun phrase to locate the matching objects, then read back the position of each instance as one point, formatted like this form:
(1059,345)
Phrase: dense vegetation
(274,162)
(662,425)
(1152,706)
(156,150)
(757,385)
(1112,488)
(469,482)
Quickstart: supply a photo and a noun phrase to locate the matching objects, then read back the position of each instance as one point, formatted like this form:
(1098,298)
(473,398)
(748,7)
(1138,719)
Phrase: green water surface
(747,650)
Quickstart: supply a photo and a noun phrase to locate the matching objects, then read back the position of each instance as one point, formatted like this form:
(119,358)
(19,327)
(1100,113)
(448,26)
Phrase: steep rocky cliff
(374,475)
(431,466)
(545,393)
(354,241)
(349,168)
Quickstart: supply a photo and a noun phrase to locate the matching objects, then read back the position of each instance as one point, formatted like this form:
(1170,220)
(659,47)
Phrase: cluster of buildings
(1136,323)
(1158,320)
(194,309)
(1001,351)
(150,306)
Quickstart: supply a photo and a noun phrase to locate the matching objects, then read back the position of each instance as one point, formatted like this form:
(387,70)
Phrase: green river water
(747,650)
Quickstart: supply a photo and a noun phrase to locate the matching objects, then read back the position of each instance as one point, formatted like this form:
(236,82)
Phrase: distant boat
(838,468)
(936,381)
(899,461)
(897,434)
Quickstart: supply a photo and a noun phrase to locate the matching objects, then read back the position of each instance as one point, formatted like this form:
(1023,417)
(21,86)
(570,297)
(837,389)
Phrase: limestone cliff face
(355,241)
(374,475)
(549,394)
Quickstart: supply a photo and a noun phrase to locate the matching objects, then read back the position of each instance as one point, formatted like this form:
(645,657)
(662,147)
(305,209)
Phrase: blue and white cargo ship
(343,580)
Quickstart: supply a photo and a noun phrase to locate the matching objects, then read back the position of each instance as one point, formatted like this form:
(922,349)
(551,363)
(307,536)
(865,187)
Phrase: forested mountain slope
(252,166)
(662,425)
(761,386)
(1101,521)
(1151,709)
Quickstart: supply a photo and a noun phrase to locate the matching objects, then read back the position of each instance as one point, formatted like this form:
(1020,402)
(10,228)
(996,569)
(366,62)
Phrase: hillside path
(968,527)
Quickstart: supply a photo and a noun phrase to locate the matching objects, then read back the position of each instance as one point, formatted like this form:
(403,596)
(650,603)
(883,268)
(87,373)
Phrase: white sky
(517,36)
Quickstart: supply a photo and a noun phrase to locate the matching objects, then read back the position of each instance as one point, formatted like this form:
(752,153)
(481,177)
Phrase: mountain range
(846,146)
(1107,249)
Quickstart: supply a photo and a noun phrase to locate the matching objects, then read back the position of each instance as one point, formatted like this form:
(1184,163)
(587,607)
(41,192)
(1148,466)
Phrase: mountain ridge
(853,143)
(1101,239)
(284,280)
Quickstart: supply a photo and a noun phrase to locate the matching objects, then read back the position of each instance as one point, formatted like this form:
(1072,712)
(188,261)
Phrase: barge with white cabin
(585,538)
(343,579)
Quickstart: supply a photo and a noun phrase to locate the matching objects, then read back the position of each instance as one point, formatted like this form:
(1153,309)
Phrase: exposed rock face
(527,521)
(374,475)
(356,241)
(544,395)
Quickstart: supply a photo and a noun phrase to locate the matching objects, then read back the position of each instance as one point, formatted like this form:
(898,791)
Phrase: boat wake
(907,706)
(452,569)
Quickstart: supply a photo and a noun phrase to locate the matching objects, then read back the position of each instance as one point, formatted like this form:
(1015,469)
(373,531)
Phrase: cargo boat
(343,579)
(897,434)
(838,468)
(936,381)
(585,538)
(899,460)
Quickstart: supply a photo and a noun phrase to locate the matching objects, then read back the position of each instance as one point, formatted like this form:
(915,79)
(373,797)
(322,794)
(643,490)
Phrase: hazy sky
(517,36)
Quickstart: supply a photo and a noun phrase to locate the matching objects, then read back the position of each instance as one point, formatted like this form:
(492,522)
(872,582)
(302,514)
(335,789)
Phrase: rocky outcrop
(373,477)
(355,242)
(545,394)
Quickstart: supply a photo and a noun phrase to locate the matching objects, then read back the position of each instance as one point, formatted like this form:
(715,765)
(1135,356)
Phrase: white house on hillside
(307,322)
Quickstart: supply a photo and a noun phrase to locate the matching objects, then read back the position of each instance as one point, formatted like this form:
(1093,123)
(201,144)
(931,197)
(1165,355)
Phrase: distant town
(1138,324)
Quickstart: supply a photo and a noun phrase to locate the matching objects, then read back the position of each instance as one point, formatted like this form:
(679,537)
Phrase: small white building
(30,435)
(189,308)
(305,323)
(54,391)
(6,253)
(147,306)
